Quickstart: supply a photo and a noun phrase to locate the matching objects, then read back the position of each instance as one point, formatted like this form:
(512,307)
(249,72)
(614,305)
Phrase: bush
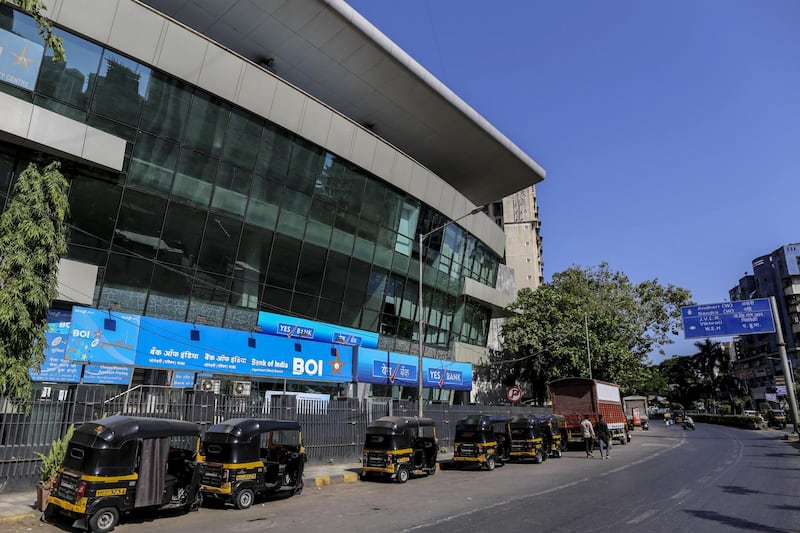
(52,461)
(739,421)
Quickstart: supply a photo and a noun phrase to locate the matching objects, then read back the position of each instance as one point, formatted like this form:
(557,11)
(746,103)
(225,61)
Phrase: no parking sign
(514,394)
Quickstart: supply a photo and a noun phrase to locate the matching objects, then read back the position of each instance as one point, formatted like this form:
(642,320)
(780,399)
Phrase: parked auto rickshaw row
(399,447)
(120,464)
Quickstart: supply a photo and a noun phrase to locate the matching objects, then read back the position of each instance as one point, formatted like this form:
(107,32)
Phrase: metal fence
(333,430)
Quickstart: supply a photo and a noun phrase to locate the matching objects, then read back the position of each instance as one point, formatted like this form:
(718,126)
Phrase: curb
(16,518)
(324,481)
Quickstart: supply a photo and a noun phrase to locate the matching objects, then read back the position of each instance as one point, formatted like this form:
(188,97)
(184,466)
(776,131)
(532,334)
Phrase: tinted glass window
(120,89)
(166,106)
(139,225)
(152,165)
(208,118)
(94,221)
(71,82)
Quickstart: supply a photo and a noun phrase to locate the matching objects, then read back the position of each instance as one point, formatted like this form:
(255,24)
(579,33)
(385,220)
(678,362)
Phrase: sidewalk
(21,505)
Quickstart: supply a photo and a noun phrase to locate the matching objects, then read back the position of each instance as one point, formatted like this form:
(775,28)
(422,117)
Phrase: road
(667,479)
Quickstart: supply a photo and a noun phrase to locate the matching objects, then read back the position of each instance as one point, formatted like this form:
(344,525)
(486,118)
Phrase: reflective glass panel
(93,222)
(152,163)
(139,225)
(242,139)
(120,90)
(208,118)
(265,200)
(166,106)
(220,241)
(193,181)
(71,82)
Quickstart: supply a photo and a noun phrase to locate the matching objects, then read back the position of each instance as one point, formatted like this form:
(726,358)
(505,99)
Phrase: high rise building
(774,275)
(227,159)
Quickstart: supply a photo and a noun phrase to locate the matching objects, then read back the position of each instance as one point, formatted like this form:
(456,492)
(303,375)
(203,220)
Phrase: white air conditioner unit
(240,388)
(208,385)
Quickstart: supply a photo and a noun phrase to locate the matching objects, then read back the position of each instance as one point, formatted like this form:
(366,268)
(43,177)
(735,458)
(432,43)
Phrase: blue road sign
(746,317)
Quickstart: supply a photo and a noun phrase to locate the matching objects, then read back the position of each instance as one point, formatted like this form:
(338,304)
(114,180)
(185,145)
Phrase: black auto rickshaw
(776,418)
(247,457)
(560,434)
(528,440)
(483,440)
(397,447)
(118,464)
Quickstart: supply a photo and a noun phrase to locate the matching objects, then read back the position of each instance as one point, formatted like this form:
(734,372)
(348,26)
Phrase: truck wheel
(490,463)
(402,475)
(244,498)
(104,520)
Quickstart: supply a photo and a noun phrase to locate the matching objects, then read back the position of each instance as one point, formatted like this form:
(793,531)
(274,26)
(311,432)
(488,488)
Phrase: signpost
(745,317)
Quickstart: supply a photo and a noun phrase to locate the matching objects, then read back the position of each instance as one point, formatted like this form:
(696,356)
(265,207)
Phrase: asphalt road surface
(667,479)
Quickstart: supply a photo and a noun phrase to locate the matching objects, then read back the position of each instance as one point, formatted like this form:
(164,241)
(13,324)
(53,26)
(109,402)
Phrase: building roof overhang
(327,49)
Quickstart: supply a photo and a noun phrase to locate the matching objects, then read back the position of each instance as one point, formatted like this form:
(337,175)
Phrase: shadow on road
(738,523)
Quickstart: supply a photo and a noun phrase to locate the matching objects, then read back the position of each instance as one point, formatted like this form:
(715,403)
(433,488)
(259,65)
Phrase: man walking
(603,438)
(588,435)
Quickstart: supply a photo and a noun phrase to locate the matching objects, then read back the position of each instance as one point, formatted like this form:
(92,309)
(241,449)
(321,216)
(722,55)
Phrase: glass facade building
(219,213)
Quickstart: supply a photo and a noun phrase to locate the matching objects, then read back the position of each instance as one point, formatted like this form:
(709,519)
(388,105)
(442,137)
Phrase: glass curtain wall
(219,214)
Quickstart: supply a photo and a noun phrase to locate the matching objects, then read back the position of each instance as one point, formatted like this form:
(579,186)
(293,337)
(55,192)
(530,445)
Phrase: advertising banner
(441,374)
(107,374)
(103,337)
(298,328)
(56,367)
(188,347)
(183,380)
(389,368)
(20,60)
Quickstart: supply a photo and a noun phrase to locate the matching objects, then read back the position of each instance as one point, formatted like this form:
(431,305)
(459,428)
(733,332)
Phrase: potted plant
(48,470)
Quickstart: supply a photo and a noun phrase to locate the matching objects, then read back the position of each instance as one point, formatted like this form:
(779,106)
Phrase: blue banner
(56,367)
(187,347)
(107,374)
(183,380)
(103,337)
(299,328)
(441,374)
(20,60)
(389,368)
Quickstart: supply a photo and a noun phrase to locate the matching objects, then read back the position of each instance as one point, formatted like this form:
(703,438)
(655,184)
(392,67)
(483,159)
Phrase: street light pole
(420,313)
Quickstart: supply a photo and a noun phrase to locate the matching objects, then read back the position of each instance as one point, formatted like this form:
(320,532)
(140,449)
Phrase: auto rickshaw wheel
(538,458)
(402,474)
(298,489)
(244,498)
(558,453)
(104,520)
(490,463)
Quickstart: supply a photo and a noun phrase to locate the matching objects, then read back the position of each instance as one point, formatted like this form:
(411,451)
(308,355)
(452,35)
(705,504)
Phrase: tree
(33,238)
(36,9)
(546,336)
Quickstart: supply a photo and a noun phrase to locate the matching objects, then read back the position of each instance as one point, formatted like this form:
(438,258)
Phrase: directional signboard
(746,317)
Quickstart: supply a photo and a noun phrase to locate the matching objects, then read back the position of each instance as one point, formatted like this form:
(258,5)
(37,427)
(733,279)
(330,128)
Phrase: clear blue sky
(670,131)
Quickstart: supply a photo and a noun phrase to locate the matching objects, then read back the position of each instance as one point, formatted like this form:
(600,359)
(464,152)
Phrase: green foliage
(547,335)
(52,461)
(33,238)
(36,9)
